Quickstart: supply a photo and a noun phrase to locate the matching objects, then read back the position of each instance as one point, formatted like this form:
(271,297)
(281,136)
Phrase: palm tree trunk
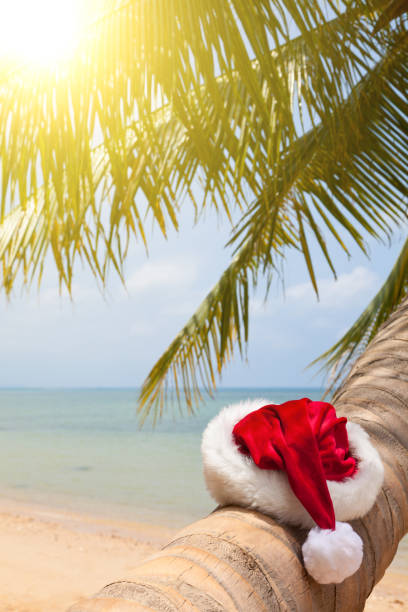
(237,559)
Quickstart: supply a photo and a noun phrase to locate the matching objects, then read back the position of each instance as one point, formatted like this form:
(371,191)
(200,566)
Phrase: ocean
(82,450)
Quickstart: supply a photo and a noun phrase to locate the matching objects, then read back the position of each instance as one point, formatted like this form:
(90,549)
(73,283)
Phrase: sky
(47,340)
(112,340)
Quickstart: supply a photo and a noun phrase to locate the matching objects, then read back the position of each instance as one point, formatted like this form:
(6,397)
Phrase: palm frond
(392,10)
(341,355)
(349,170)
(214,131)
(197,355)
(262,101)
(280,219)
(152,53)
(28,233)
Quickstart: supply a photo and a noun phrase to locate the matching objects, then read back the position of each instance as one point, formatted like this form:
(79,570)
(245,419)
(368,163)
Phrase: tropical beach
(86,495)
(50,558)
(203,205)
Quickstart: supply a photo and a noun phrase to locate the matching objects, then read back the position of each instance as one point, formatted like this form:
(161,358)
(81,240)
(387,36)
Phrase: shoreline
(87,522)
(51,557)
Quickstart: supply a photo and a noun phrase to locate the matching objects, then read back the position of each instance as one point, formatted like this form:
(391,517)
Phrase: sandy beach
(50,558)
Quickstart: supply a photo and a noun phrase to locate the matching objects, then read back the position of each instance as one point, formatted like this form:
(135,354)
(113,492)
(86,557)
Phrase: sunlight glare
(39,32)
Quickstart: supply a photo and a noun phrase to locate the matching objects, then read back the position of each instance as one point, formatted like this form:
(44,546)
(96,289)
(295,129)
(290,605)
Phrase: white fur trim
(331,556)
(233,478)
(355,496)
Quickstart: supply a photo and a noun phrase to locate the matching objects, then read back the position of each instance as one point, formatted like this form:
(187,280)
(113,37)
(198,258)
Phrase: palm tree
(238,559)
(291,114)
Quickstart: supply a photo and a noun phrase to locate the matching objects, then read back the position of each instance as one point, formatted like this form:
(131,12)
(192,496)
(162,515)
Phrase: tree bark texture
(240,560)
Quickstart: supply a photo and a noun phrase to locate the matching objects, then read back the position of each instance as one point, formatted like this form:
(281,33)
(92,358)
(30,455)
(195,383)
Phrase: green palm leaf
(370,130)
(214,131)
(338,359)
(199,352)
(280,218)
(392,10)
(289,105)
(147,53)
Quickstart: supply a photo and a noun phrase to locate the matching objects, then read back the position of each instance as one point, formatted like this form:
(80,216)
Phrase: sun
(39,32)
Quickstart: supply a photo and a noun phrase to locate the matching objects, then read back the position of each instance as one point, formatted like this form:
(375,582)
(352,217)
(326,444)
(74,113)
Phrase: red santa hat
(303,465)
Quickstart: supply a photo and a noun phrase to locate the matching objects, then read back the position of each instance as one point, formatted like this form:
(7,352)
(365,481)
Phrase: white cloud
(156,275)
(142,329)
(335,294)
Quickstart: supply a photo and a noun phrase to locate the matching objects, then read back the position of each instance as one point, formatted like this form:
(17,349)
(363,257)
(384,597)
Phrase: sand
(49,558)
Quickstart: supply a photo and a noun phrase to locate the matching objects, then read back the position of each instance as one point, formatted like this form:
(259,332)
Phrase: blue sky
(113,340)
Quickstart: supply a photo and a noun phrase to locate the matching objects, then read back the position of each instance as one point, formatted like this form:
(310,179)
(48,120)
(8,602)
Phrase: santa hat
(303,465)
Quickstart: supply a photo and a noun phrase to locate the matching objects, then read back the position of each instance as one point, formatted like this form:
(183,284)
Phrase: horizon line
(135,388)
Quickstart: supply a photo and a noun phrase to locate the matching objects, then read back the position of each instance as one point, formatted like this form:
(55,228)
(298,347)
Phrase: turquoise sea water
(82,450)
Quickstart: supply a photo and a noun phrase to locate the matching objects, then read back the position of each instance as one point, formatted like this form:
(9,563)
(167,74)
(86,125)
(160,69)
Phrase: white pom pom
(331,556)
